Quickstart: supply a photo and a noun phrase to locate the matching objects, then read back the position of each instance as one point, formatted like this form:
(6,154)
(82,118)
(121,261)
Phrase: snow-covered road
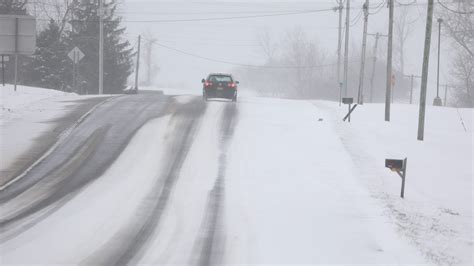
(32,120)
(261,181)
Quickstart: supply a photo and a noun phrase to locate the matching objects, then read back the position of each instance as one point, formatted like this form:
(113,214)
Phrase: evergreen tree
(13,7)
(50,68)
(118,53)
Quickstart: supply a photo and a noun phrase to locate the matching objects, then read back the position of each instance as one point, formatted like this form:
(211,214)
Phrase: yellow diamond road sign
(76,55)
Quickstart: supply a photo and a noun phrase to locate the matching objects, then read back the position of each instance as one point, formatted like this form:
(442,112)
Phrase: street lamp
(437,100)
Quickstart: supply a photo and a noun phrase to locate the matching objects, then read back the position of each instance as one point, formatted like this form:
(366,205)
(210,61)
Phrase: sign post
(75,55)
(16,52)
(17,37)
(5,58)
(340,92)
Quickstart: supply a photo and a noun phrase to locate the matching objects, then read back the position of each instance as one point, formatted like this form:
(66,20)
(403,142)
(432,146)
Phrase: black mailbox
(347,100)
(394,164)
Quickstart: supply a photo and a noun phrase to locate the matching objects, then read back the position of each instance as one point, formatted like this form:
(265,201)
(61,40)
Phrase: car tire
(234,99)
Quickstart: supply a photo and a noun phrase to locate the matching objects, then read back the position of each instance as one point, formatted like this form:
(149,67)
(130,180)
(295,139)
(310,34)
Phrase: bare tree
(304,56)
(58,11)
(267,44)
(463,73)
(458,23)
(296,67)
(403,30)
(17,7)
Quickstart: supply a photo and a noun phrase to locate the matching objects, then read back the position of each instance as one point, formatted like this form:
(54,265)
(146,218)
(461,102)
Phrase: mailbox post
(399,166)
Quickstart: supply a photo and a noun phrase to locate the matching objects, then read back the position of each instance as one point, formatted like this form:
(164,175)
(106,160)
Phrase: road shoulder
(35,128)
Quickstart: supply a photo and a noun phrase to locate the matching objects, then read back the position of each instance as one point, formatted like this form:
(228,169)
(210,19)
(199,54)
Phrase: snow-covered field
(15,104)
(436,214)
(25,115)
(298,186)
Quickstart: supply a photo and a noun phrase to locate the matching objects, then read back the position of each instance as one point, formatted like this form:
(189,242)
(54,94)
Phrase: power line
(228,18)
(272,14)
(217,44)
(407,4)
(211,13)
(356,19)
(379,8)
(259,15)
(215,18)
(455,11)
(239,64)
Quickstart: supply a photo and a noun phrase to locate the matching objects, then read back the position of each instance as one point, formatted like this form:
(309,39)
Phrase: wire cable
(239,64)
(356,19)
(455,11)
(226,18)
(379,8)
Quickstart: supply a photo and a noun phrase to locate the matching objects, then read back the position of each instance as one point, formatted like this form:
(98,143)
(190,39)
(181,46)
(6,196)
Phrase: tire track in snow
(209,247)
(122,117)
(58,178)
(127,245)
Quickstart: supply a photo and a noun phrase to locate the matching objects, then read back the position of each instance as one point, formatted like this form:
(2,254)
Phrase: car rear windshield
(218,78)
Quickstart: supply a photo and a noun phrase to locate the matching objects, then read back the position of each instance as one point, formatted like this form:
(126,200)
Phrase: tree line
(63,25)
(458,23)
(296,67)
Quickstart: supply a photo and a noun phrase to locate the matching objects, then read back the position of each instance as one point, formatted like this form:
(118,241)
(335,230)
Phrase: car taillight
(208,84)
(232,85)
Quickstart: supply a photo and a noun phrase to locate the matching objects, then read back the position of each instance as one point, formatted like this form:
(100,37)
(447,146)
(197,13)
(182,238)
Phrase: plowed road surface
(160,179)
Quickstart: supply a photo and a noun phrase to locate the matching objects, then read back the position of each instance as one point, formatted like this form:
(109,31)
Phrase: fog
(187,26)
(114,153)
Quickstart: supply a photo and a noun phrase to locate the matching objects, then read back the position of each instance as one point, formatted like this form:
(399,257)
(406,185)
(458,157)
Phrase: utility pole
(138,63)
(339,45)
(360,94)
(424,75)
(412,78)
(411,89)
(148,59)
(3,70)
(392,88)
(74,70)
(437,100)
(446,95)
(389,62)
(346,46)
(374,62)
(16,54)
(101,47)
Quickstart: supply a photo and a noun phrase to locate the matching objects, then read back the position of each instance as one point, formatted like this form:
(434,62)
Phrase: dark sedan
(219,86)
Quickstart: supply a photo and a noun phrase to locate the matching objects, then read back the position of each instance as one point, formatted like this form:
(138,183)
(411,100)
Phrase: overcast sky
(234,40)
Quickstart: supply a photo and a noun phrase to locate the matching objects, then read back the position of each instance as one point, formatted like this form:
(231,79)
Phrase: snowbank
(14,103)
(293,195)
(436,213)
